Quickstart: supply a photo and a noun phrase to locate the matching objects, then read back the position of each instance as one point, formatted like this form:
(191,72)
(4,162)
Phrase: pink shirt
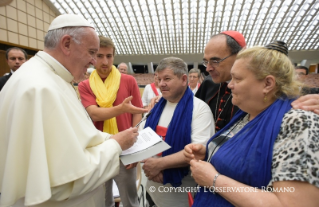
(128,87)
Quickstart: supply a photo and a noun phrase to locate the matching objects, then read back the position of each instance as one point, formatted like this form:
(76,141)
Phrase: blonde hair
(263,62)
(107,42)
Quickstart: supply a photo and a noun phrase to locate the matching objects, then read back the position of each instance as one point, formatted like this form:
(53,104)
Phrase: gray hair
(122,64)
(53,37)
(194,70)
(178,66)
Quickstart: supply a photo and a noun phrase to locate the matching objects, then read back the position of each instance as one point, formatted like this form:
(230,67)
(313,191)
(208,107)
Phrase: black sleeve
(206,90)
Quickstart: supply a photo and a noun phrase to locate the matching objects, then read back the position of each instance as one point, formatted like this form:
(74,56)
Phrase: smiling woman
(267,144)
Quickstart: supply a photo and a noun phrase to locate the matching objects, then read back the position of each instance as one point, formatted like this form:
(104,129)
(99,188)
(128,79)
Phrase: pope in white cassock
(50,152)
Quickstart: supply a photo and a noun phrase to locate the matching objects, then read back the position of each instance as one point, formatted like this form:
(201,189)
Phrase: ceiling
(160,27)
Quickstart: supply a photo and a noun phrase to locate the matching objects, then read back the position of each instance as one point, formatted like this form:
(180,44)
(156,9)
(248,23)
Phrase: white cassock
(51,154)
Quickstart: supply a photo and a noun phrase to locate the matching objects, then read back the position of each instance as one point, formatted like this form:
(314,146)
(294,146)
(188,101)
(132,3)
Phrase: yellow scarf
(106,98)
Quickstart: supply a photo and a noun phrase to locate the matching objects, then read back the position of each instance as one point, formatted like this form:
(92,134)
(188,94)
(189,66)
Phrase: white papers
(146,138)
(148,145)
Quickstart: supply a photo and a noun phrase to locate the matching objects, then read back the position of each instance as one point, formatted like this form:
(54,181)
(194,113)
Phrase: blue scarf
(178,133)
(247,156)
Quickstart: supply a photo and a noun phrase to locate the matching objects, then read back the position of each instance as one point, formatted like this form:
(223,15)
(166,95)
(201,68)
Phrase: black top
(223,109)
(307,90)
(3,80)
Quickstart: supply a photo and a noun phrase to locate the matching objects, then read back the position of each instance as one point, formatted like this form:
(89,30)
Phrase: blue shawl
(178,133)
(247,156)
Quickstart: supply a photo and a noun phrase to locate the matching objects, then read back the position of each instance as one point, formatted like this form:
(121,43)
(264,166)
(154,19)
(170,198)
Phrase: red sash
(161,131)
(198,84)
(154,89)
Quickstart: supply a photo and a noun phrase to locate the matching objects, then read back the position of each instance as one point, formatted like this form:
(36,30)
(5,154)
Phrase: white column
(130,68)
(150,67)
(196,65)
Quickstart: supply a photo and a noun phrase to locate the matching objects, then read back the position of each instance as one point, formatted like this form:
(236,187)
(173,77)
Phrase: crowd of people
(246,126)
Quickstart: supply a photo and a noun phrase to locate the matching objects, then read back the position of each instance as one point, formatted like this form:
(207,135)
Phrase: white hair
(122,63)
(90,70)
(53,37)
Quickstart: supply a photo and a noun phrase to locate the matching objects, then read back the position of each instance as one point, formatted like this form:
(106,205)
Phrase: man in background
(15,58)
(301,72)
(106,88)
(301,75)
(122,67)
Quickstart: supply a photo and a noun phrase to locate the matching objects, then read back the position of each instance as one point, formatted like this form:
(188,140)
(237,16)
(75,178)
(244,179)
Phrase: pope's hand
(126,138)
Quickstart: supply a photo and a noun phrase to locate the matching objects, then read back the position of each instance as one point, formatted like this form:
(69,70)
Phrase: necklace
(217,103)
(224,138)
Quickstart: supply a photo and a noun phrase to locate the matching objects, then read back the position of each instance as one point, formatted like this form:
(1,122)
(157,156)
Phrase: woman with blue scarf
(268,155)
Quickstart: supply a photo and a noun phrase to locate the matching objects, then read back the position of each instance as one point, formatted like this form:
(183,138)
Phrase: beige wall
(25,22)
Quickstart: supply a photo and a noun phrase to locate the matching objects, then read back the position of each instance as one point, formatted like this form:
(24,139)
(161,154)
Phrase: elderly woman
(268,155)
(193,79)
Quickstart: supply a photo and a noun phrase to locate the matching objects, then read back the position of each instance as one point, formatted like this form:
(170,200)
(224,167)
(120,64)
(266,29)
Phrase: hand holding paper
(147,145)
(146,138)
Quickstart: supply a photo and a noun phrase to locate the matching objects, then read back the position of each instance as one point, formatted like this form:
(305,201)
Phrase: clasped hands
(152,169)
(202,172)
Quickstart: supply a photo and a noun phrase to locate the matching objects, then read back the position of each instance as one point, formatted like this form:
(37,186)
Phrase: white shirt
(195,89)
(148,94)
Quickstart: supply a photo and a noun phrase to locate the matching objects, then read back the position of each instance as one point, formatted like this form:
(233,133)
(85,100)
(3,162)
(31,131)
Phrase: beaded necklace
(217,103)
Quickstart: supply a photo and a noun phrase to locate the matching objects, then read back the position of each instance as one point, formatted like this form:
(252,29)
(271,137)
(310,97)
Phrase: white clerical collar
(55,66)
(59,64)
